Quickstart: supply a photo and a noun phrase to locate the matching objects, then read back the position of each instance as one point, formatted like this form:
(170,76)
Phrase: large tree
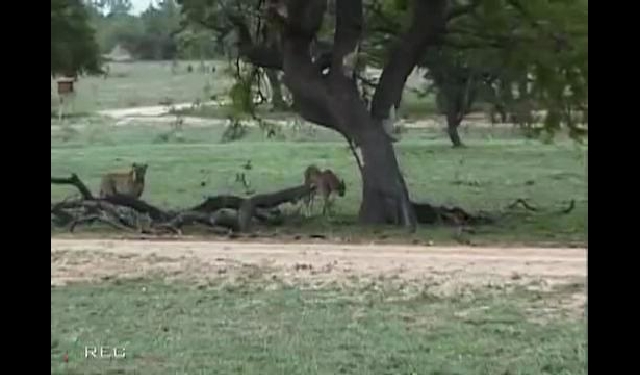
(324,89)
(321,74)
(73,46)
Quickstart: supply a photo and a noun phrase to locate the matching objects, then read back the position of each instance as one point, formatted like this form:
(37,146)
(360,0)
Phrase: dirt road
(85,260)
(158,114)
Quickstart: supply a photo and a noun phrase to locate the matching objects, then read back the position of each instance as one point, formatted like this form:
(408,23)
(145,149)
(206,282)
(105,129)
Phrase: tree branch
(139,206)
(268,57)
(426,28)
(560,40)
(462,10)
(389,25)
(309,88)
(347,34)
(271,57)
(75,181)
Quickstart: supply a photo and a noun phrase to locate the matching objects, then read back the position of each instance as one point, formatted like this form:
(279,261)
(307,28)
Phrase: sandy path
(158,114)
(151,111)
(88,259)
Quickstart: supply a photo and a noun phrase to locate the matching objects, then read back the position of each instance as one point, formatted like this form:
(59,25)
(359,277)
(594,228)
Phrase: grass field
(257,328)
(144,83)
(250,317)
(489,175)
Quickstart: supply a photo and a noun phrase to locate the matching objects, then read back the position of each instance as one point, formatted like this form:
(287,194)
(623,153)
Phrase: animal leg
(310,205)
(325,206)
(329,206)
(60,111)
(306,204)
(330,203)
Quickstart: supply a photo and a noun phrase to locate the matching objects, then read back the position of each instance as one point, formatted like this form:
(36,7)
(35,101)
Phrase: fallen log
(75,181)
(214,211)
(225,211)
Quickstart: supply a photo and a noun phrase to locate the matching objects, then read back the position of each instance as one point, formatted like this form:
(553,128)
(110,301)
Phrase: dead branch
(212,204)
(529,207)
(75,181)
(523,203)
(430,214)
(167,228)
(569,208)
(221,218)
(224,213)
(127,213)
(141,206)
(92,218)
(60,217)
(249,207)
(289,195)
(89,211)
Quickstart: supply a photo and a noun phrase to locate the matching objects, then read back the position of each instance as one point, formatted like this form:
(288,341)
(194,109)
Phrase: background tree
(530,56)
(73,46)
(457,84)
(150,36)
(115,8)
(195,43)
(159,26)
(542,46)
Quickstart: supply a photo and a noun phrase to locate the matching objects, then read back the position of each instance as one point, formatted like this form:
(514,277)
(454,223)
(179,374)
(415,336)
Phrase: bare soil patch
(558,273)
(90,259)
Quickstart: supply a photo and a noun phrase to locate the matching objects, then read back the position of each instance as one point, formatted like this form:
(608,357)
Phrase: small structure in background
(65,85)
(118,54)
(66,92)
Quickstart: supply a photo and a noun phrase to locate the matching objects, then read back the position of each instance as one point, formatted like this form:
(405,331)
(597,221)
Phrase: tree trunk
(332,99)
(385,199)
(276,90)
(453,122)
(503,113)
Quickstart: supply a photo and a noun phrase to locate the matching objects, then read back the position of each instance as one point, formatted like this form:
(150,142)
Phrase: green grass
(258,327)
(413,108)
(491,173)
(252,328)
(416,108)
(144,83)
(498,167)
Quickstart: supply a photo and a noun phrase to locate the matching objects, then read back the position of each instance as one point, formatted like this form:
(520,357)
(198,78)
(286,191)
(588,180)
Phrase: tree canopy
(73,45)
(156,34)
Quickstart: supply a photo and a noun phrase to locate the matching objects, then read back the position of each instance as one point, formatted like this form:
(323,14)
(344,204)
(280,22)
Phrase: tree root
(430,214)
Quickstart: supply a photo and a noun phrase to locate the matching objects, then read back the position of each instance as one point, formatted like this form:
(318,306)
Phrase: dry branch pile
(222,213)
